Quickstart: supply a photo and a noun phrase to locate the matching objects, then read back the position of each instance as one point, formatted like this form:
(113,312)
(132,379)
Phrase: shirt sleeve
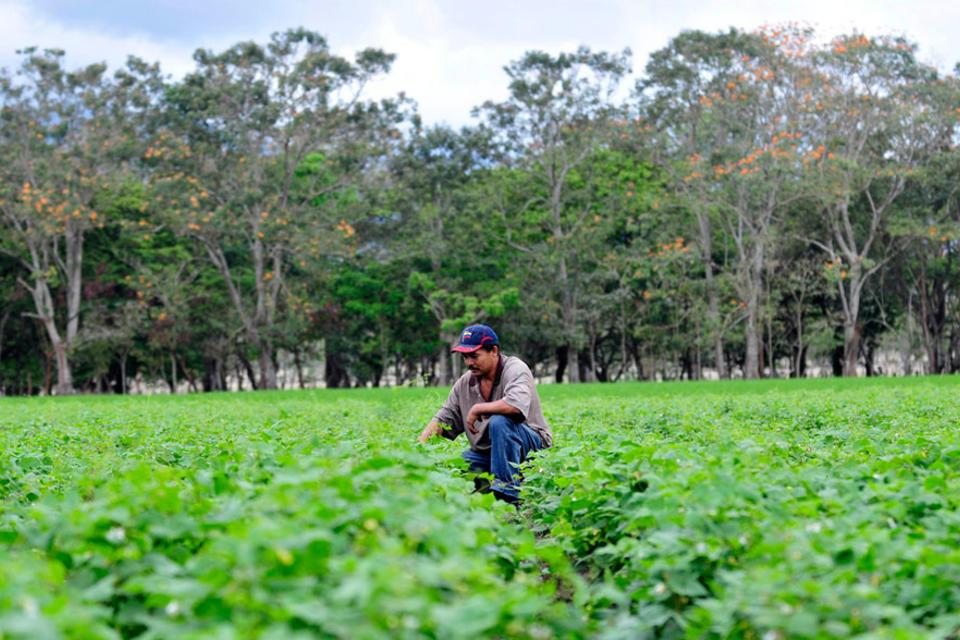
(449,415)
(518,389)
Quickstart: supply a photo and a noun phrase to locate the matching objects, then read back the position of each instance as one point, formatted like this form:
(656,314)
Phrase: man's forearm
(499,407)
(433,428)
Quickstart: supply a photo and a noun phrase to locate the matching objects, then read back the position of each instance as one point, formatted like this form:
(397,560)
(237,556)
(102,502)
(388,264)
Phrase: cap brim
(460,348)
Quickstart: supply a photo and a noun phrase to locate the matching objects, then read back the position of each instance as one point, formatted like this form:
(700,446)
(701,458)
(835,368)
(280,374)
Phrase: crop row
(216,520)
(800,514)
(786,515)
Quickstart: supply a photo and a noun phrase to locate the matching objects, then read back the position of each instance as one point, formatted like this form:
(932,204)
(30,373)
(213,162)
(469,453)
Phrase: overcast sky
(450,54)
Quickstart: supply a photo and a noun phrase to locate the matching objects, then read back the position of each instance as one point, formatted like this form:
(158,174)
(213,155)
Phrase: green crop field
(769,510)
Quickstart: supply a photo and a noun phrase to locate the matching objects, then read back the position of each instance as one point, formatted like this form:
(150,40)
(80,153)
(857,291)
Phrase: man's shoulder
(512,365)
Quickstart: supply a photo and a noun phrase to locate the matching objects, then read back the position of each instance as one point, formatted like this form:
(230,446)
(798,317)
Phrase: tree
(877,122)
(66,136)
(615,244)
(675,103)
(559,113)
(928,265)
(257,136)
(445,237)
(742,140)
(21,371)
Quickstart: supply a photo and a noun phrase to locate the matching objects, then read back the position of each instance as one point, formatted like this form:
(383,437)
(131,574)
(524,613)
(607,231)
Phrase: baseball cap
(474,337)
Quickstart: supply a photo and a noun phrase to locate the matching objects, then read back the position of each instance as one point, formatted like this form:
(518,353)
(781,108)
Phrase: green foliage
(804,510)
(798,511)
(309,514)
(760,196)
(371,316)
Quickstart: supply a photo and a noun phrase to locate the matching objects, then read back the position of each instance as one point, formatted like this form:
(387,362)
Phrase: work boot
(506,497)
(481,485)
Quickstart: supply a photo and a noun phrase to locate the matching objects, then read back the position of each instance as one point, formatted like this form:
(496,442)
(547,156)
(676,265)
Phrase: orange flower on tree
(346,228)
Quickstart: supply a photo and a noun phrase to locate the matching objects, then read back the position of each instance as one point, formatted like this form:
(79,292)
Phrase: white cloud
(450,54)
(446,78)
(926,22)
(24,25)
(22,28)
(450,66)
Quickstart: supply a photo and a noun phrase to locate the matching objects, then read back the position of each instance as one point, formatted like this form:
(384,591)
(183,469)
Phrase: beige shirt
(513,384)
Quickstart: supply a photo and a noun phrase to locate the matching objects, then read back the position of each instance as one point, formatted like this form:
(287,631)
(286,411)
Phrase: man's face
(482,363)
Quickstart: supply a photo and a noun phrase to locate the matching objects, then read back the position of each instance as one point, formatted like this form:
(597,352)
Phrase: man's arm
(432,429)
(500,407)
(447,422)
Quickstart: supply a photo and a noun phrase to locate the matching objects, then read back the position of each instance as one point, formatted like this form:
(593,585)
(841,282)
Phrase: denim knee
(499,424)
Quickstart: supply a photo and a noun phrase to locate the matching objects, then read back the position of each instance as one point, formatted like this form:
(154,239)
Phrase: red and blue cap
(474,337)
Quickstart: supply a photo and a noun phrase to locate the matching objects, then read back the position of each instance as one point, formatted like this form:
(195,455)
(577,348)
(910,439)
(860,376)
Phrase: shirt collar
(474,381)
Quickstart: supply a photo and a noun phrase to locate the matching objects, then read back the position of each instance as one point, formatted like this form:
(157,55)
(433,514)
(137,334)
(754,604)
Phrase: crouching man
(496,404)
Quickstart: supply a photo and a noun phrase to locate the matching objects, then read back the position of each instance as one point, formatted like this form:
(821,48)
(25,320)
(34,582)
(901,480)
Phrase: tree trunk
(209,382)
(753,288)
(686,365)
(851,348)
(445,374)
(445,359)
(698,354)
(585,374)
(251,375)
(751,365)
(906,337)
(836,361)
(592,369)
(568,316)
(637,358)
(335,375)
(74,265)
(713,305)
(268,372)
(299,365)
(191,380)
(43,302)
(852,329)
(934,361)
(771,359)
(574,364)
(868,360)
(954,350)
(255,325)
(64,374)
(799,350)
(239,373)
(3,324)
(932,320)
(562,353)
(624,356)
(799,361)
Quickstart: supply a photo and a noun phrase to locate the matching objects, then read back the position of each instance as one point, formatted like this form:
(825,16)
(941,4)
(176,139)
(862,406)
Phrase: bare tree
(65,137)
(877,122)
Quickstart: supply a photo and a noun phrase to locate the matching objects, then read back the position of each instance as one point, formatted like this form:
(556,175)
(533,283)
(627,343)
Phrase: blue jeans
(510,444)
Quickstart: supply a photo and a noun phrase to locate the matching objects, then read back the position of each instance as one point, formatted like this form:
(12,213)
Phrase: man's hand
(485,409)
(472,418)
(432,429)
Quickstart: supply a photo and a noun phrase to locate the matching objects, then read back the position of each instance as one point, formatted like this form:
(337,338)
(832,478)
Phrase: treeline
(761,203)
